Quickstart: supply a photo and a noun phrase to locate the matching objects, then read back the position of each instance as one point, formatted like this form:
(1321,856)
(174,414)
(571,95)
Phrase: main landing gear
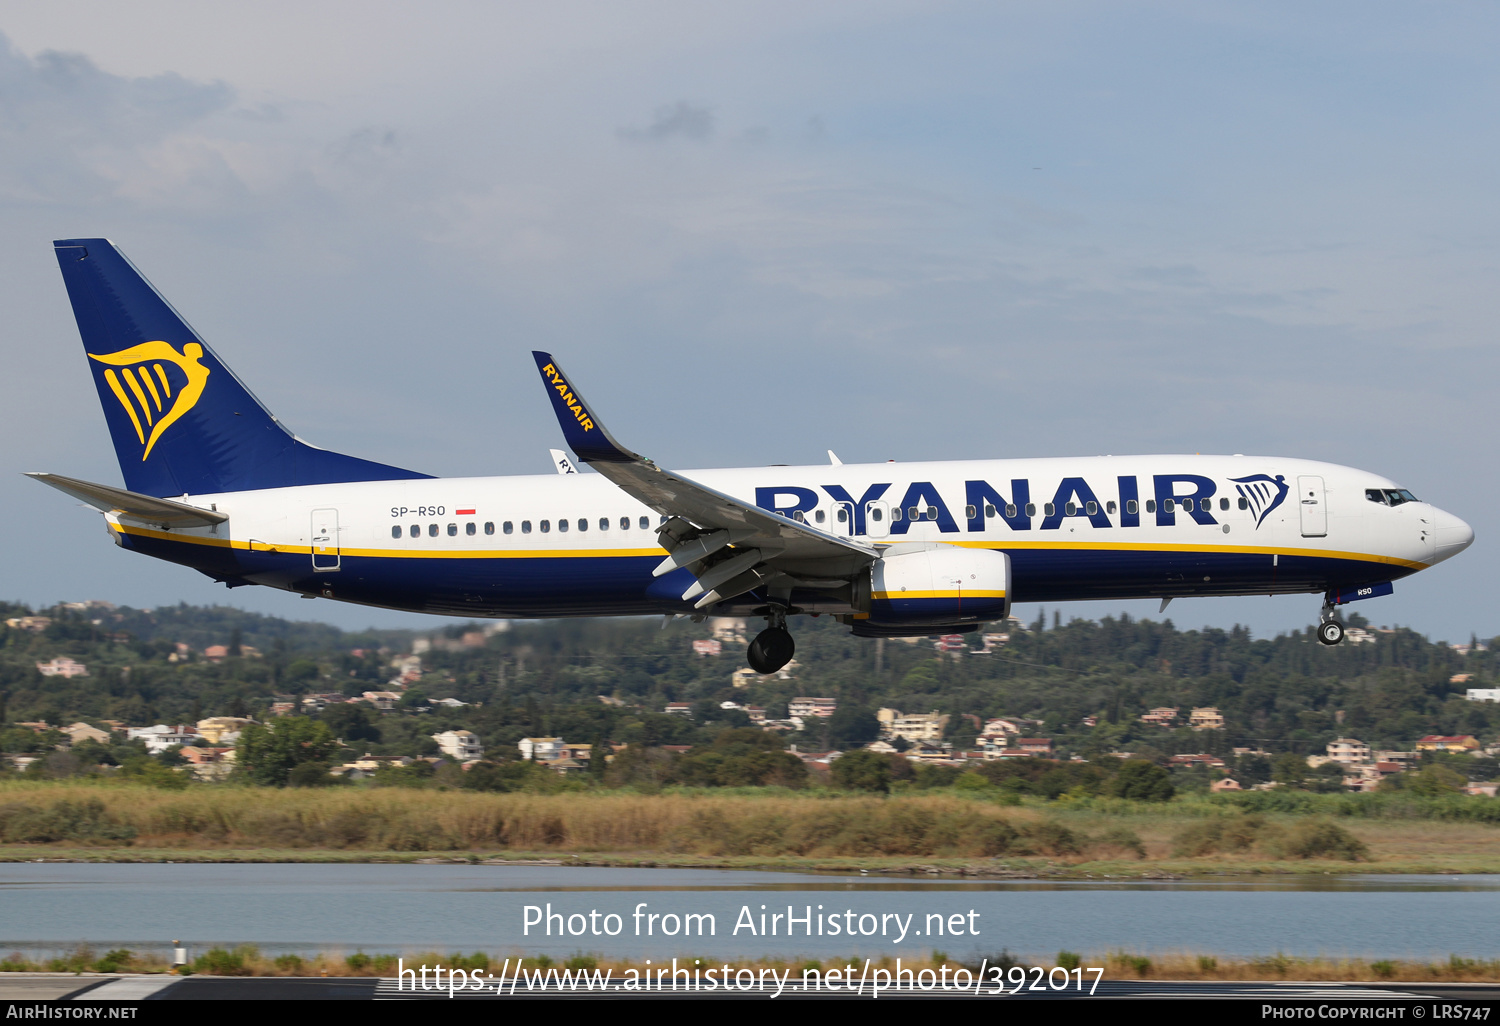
(1330,631)
(773,647)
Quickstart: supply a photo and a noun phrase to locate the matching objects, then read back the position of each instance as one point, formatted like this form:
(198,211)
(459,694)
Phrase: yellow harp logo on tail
(145,389)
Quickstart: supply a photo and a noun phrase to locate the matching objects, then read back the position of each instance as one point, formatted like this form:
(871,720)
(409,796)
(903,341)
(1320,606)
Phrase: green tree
(1290,769)
(852,725)
(1435,780)
(862,771)
(310,774)
(598,758)
(351,721)
(1142,781)
(268,753)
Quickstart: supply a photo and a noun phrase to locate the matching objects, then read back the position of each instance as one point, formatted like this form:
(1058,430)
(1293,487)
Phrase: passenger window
(583,524)
(989,511)
(1050,509)
(1223,504)
(1187,505)
(664,519)
(645,523)
(1150,505)
(604,523)
(1109,507)
(1092,508)
(895,514)
(432,530)
(1071,509)
(562,526)
(931,512)
(1031,509)
(1131,507)
(1010,511)
(452,530)
(471,529)
(1244,502)
(544,526)
(843,515)
(396,531)
(624,523)
(526,527)
(1170,505)
(875,514)
(970,512)
(415,530)
(820,516)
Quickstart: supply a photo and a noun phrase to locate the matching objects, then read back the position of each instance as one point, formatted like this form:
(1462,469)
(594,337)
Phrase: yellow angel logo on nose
(147,381)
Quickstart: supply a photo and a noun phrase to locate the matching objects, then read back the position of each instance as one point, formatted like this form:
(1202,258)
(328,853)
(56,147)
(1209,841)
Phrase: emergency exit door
(325,539)
(1314,507)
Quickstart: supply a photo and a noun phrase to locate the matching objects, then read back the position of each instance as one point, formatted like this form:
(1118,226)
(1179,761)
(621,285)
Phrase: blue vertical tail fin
(182,423)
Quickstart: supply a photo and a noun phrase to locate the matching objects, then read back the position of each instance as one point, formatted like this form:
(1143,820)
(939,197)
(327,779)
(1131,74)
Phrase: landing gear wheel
(772,649)
(1331,632)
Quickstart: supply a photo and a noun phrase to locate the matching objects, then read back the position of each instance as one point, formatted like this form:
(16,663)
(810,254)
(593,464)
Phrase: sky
(758,231)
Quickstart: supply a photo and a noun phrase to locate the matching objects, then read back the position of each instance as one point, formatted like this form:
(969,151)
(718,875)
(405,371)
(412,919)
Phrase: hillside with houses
(185,694)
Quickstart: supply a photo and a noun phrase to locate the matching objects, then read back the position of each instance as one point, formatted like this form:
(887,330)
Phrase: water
(49,907)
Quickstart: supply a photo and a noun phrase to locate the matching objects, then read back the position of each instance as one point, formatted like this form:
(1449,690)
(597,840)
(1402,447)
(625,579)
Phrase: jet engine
(929,584)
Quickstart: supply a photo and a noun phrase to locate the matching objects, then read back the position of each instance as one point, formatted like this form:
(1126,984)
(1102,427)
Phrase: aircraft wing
(162,512)
(730,546)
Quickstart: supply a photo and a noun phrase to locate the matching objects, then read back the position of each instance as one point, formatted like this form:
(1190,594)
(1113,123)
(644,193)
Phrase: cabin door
(325,539)
(1314,507)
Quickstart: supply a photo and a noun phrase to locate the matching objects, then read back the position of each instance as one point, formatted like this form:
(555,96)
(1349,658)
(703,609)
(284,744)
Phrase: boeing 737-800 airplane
(214,482)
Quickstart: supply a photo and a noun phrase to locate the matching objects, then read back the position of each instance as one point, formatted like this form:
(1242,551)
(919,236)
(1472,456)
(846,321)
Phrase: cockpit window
(1389,496)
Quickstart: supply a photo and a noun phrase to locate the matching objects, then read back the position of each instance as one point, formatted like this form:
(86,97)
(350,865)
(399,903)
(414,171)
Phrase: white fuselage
(1073,528)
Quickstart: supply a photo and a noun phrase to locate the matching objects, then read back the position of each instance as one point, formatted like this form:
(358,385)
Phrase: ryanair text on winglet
(568,399)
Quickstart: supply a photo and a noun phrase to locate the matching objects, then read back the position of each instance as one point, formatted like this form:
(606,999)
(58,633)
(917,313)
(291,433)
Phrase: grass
(767,828)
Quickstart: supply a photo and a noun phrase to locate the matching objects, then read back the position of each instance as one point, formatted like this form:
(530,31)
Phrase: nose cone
(1453,536)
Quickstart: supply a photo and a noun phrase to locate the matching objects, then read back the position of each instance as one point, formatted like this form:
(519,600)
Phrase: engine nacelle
(932,583)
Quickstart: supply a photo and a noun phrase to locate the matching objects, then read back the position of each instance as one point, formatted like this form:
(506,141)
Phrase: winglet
(588,439)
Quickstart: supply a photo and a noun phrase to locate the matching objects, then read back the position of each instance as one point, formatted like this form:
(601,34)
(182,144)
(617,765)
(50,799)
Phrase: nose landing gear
(1330,631)
(773,647)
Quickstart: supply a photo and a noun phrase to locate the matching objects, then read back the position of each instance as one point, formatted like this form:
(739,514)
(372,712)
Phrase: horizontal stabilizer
(164,512)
